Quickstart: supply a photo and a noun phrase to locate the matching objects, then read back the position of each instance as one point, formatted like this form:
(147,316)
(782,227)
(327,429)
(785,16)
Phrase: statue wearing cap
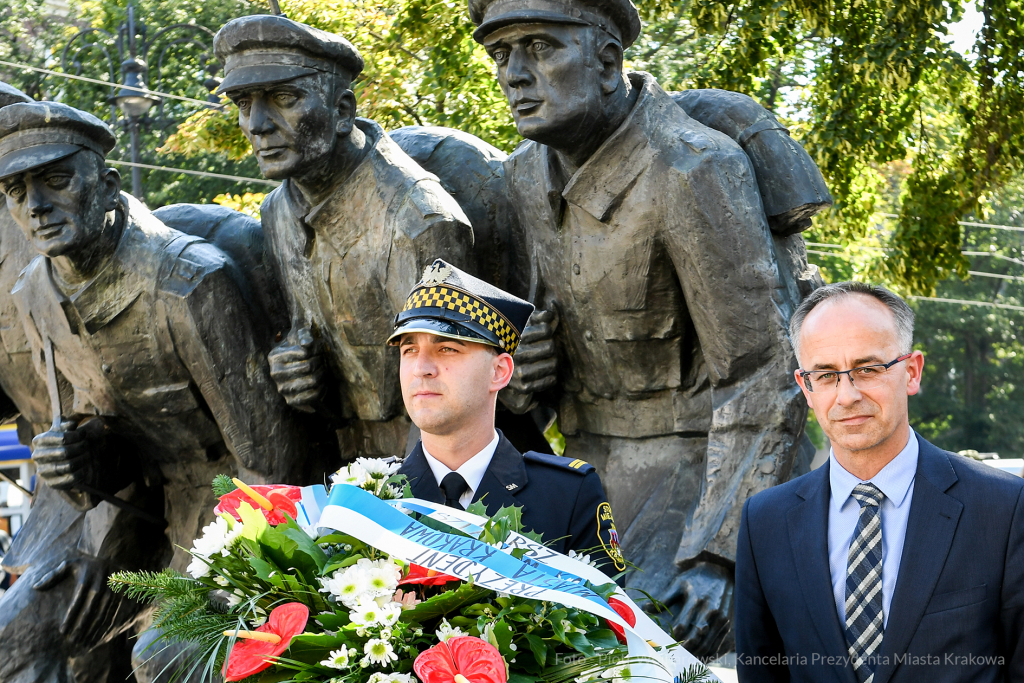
(353,223)
(47,623)
(457,336)
(647,234)
(153,366)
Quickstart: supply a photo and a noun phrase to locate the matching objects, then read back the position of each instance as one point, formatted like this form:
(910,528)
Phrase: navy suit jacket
(957,611)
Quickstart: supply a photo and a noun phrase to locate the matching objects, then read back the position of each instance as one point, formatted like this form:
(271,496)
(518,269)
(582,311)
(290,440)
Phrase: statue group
(657,233)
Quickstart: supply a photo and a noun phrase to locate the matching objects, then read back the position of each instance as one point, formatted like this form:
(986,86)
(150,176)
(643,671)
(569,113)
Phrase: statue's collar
(374,134)
(599,184)
(117,285)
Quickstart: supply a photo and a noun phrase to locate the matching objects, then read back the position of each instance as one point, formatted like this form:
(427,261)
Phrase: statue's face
(551,78)
(61,206)
(293,126)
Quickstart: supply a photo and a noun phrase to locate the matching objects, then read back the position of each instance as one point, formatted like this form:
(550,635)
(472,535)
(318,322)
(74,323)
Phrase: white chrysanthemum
(379,652)
(401,678)
(339,659)
(198,568)
(618,674)
(384,576)
(446,631)
(349,585)
(218,537)
(369,613)
(585,559)
(352,474)
(377,468)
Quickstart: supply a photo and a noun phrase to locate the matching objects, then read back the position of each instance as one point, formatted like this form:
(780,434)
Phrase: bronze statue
(353,224)
(155,374)
(664,307)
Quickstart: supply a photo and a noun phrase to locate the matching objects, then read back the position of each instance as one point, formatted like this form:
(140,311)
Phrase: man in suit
(895,561)
(456,337)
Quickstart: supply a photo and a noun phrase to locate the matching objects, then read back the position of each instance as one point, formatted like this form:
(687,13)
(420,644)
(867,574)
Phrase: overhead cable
(205,174)
(965,302)
(969,223)
(109,84)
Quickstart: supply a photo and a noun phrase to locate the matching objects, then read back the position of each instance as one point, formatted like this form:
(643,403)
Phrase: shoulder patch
(573,465)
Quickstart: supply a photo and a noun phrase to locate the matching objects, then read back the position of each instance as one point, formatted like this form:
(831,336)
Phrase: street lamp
(133,98)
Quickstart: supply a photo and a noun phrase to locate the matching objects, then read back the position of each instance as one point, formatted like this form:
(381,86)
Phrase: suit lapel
(930,529)
(808,534)
(421,478)
(505,477)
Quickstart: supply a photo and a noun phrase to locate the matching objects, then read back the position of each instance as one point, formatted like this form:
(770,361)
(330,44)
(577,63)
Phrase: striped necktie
(864,624)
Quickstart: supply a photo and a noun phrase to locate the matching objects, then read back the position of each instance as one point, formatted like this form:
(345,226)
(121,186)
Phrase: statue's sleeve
(214,336)
(429,225)
(720,245)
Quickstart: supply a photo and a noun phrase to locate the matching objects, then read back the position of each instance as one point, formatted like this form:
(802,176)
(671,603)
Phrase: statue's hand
(67,457)
(536,368)
(297,369)
(703,595)
(93,605)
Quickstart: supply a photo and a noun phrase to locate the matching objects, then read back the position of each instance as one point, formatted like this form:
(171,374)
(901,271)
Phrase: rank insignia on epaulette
(512,487)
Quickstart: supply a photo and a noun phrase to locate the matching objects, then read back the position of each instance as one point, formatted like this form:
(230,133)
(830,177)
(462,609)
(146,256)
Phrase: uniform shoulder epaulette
(194,261)
(572,464)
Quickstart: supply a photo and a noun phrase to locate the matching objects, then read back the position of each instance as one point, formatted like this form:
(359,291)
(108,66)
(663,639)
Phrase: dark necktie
(453,486)
(864,584)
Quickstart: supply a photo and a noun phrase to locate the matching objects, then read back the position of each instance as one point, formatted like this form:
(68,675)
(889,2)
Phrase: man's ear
(504,366)
(610,59)
(110,182)
(346,103)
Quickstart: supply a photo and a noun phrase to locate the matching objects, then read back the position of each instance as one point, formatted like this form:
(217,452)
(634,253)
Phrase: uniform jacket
(348,264)
(562,499)
(18,377)
(958,607)
(160,345)
(658,257)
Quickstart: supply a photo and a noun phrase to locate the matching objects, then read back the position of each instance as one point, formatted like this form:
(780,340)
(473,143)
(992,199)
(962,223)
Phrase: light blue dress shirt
(896,481)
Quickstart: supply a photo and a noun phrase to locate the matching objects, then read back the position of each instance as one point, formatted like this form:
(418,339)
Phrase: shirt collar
(893,480)
(599,184)
(473,470)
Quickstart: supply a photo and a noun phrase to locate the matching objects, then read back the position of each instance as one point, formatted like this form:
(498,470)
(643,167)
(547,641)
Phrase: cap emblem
(436,273)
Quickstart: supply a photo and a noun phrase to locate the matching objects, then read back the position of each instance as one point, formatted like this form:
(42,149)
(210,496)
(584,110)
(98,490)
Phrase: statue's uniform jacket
(348,263)
(658,257)
(160,345)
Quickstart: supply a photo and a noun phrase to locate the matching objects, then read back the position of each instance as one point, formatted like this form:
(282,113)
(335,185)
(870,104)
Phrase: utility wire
(968,223)
(965,302)
(107,83)
(205,174)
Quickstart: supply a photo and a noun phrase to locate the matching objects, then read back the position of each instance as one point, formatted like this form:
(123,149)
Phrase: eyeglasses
(863,377)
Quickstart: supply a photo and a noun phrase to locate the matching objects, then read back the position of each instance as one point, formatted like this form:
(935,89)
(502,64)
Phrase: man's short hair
(903,314)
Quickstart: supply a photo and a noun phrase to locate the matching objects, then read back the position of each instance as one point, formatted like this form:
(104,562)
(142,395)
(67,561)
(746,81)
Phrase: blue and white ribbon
(542,575)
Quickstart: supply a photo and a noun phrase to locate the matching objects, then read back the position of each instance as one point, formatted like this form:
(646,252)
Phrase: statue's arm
(215,338)
(720,245)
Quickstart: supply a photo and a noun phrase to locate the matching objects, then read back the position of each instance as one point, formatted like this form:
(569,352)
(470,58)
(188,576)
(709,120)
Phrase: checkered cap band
(479,311)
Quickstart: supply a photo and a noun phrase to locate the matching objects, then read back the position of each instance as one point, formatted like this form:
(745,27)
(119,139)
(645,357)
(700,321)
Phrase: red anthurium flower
(283,498)
(254,650)
(463,660)
(626,613)
(425,577)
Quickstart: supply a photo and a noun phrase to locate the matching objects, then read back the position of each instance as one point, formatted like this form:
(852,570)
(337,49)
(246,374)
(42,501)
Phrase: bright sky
(964,32)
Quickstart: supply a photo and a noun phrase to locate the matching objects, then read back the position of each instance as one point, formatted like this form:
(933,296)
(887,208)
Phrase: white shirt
(896,481)
(473,470)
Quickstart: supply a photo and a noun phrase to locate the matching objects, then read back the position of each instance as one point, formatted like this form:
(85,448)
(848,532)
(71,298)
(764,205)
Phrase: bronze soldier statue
(353,224)
(663,305)
(155,375)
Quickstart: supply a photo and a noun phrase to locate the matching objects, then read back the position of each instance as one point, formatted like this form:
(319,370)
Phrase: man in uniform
(456,337)
(648,237)
(353,222)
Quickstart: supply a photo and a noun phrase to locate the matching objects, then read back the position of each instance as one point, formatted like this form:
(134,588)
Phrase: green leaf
(333,621)
(445,603)
(579,642)
(538,647)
